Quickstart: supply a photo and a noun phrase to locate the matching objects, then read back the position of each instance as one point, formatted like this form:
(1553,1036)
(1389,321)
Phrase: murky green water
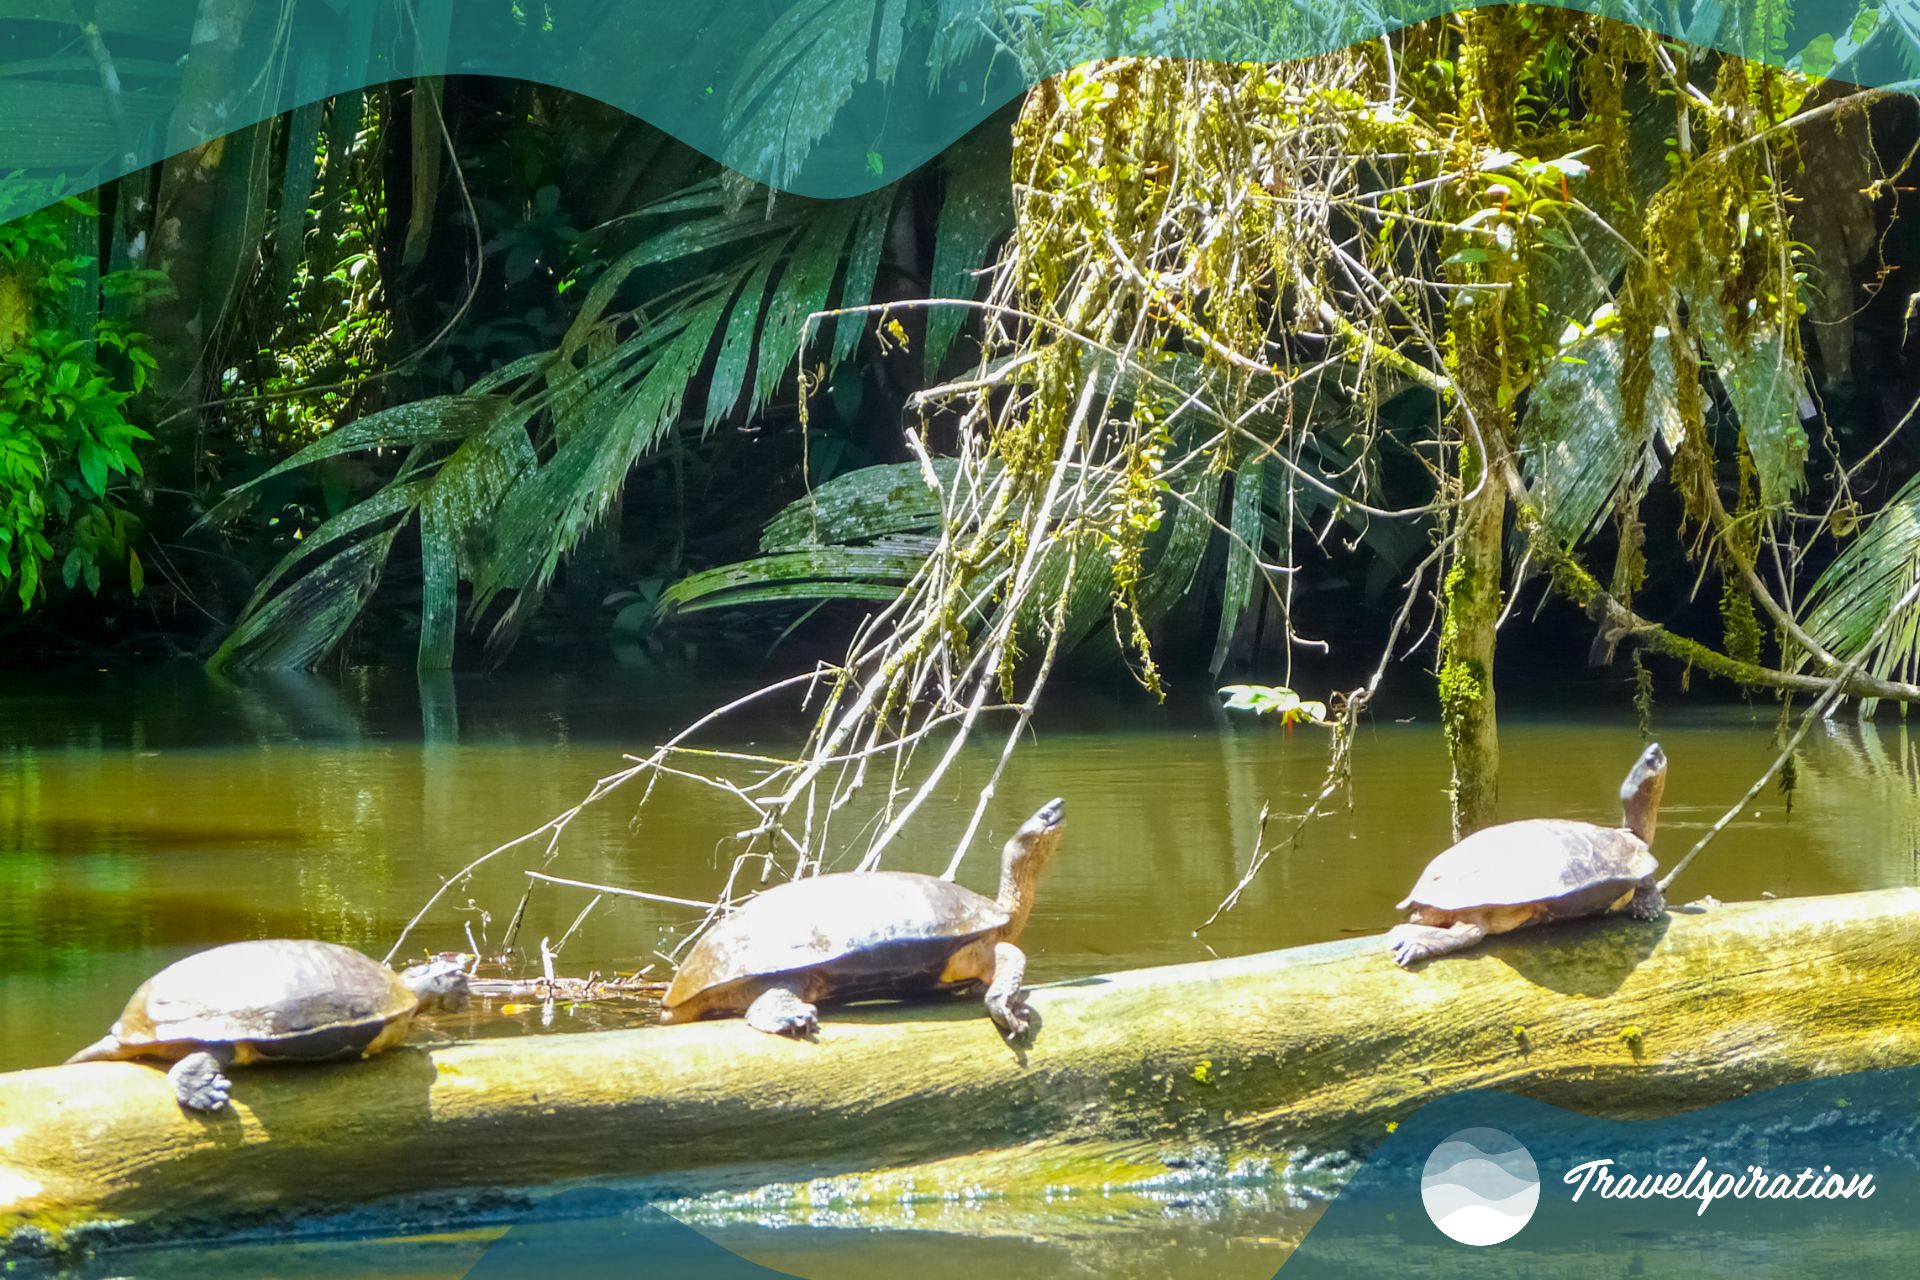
(143,817)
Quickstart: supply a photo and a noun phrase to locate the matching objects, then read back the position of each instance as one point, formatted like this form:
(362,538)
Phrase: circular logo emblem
(1480,1186)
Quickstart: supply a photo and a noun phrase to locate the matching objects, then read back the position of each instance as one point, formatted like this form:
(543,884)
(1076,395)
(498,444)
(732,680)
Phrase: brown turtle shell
(853,931)
(1544,860)
(277,991)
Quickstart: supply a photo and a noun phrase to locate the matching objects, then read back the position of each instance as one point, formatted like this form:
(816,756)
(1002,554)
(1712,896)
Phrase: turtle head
(439,984)
(1025,856)
(1045,822)
(1640,793)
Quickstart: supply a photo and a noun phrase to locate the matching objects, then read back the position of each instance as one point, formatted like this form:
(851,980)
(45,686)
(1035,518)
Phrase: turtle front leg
(1004,1005)
(1412,943)
(199,1079)
(780,1011)
(1648,903)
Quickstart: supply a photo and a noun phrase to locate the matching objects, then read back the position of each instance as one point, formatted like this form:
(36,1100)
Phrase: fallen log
(1314,1048)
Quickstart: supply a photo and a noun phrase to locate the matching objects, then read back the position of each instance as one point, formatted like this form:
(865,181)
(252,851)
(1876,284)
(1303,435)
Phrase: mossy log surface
(1314,1048)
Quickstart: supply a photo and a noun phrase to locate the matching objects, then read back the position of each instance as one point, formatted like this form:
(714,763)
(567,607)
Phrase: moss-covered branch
(1621,623)
(1318,1047)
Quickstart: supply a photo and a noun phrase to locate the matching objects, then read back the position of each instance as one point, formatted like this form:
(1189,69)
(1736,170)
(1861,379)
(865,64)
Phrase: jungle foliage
(1230,352)
(69,365)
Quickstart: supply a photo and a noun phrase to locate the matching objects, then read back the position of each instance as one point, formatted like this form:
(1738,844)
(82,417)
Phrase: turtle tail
(106,1049)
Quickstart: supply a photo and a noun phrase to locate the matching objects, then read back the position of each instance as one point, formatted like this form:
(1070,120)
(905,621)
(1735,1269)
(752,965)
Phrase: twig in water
(577,920)
(623,893)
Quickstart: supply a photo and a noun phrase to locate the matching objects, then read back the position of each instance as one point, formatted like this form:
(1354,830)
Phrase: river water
(146,815)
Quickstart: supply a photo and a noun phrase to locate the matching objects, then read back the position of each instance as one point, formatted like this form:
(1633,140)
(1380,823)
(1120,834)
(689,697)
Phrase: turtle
(1524,873)
(857,935)
(272,1000)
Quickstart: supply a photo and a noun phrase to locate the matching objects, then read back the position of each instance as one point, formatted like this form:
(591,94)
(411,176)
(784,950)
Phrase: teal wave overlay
(1381,1223)
(823,98)
(1852,1125)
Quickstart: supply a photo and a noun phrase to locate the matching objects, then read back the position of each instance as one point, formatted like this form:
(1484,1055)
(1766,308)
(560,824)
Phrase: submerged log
(1314,1048)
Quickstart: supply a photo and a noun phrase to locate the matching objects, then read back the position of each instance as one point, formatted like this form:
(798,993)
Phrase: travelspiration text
(1707,1185)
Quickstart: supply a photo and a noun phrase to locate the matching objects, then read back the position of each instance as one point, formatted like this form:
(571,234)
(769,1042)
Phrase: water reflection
(145,816)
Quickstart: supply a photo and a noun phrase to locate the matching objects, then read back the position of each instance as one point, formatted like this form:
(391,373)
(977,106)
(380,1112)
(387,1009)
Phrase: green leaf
(861,506)
(93,467)
(794,81)
(876,572)
(736,348)
(863,264)
(801,291)
(303,623)
(1851,600)
(1816,60)
(1248,522)
(1266,699)
(1261,699)
(419,422)
(1577,448)
(975,210)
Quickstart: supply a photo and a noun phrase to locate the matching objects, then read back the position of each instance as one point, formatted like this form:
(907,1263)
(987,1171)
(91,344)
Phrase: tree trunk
(1316,1047)
(197,146)
(1485,342)
(1471,604)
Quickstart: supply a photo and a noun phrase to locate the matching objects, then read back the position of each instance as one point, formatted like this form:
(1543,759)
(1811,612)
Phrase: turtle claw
(800,1025)
(780,1012)
(1013,1017)
(1404,943)
(1406,953)
(199,1083)
(1412,943)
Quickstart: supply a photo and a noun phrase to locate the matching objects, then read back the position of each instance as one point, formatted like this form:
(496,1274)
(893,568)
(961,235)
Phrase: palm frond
(1175,557)
(300,625)
(1766,380)
(1851,600)
(423,422)
(872,572)
(546,443)
(863,264)
(396,499)
(798,76)
(1248,521)
(801,291)
(458,502)
(1578,449)
(736,348)
(975,211)
(544,516)
(859,506)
